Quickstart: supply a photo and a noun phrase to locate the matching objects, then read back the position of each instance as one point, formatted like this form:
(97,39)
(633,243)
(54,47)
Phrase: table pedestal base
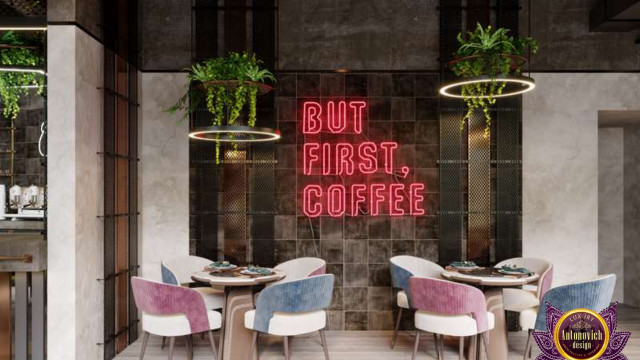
(235,337)
(498,337)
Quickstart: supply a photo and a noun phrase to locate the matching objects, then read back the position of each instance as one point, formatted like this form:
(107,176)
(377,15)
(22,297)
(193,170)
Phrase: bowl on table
(221,266)
(515,270)
(464,265)
(256,270)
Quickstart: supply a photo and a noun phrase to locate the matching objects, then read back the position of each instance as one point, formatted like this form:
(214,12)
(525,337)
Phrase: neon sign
(348,159)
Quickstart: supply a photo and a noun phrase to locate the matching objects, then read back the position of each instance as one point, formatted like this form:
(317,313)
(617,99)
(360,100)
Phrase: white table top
(227,279)
(504,280)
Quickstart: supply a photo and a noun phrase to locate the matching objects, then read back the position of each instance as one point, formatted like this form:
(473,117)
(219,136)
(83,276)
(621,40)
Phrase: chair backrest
(156,298)
(178,270)
(303,295)
(447,297)
(300,268)
(539,266)
(404,266)
(594,294)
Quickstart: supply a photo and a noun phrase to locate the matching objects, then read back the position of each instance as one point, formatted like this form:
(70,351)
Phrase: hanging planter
(229,86)
(489,64)
(21,69)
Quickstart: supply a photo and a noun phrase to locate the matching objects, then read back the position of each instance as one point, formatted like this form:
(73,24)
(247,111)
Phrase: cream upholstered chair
(402,268)
(300,268)
(172,311)
(451,309)
(178,270)
(529,297)
(519,299)
(593,294)
(292,308)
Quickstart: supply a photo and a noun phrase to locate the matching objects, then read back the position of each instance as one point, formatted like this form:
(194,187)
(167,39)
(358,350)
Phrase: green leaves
(230,84)
(14,85)
(486,51)
(235,66)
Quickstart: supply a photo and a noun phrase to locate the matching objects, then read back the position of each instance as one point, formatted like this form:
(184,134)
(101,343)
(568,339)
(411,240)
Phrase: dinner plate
(249,272)
(507,272)
(222,266)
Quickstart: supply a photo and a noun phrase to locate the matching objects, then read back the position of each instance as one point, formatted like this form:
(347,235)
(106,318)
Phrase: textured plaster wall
(560,166)
(75,173)
(631,215)
(164,172)
(611,206)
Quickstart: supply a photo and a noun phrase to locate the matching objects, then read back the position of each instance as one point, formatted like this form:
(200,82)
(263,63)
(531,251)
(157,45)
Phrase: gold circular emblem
(595,316)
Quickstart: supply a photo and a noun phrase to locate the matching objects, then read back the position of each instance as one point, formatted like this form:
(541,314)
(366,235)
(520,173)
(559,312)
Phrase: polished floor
(361,345)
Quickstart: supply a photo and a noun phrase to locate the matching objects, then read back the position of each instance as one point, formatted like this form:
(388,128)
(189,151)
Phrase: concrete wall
(165,34)
(562,30)
(75,234)
(358,34)
(632,215)
(560,166)
(87,13)
(611,206)
(163,172)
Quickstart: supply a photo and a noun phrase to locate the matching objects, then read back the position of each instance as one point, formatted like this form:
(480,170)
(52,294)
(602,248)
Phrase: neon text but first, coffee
(352,160)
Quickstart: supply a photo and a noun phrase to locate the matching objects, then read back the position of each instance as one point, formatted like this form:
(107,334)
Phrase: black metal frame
(463,165)
(120,39)
(254,204)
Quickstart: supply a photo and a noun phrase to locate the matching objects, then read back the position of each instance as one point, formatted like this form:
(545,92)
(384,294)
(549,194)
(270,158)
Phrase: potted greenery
(489,52)
(19,52)
(229,85)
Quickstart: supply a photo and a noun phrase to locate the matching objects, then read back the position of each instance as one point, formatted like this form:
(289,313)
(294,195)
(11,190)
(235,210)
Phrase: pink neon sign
(352,159)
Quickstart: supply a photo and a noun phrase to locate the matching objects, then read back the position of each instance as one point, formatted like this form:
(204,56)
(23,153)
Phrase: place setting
(226,269)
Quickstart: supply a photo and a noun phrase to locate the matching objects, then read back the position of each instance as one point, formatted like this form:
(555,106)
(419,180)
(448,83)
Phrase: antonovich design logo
(581,334)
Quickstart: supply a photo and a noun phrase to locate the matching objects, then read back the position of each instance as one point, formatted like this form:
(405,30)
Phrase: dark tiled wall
(27,167)
(402,107)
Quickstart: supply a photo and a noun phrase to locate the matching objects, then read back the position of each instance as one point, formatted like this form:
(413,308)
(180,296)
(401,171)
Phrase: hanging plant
(491,52)
(17,51)
(229,86)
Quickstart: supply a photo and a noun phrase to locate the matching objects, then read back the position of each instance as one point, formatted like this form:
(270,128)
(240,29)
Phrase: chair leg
(527,348)
(486,345)
(324,345)
(172,342)
(472,347)
(395,331)
(461,348)
(286,348)
(478,347)
(213,345)
(187,340)
(145,339)
(162,346)
(254,343)
(441,347)
(416,344)
(435,341)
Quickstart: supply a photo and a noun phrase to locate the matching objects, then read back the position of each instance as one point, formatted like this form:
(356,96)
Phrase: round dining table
(495,281)
(238,299)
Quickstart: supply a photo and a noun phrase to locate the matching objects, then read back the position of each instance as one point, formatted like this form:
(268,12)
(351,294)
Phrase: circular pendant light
(234,134)
(514,85)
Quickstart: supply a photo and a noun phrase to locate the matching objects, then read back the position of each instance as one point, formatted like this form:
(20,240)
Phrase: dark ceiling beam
(614,16)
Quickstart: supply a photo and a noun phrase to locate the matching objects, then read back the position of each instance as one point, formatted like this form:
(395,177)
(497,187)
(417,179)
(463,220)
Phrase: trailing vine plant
(228,85)
(492,52)
(19,51)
